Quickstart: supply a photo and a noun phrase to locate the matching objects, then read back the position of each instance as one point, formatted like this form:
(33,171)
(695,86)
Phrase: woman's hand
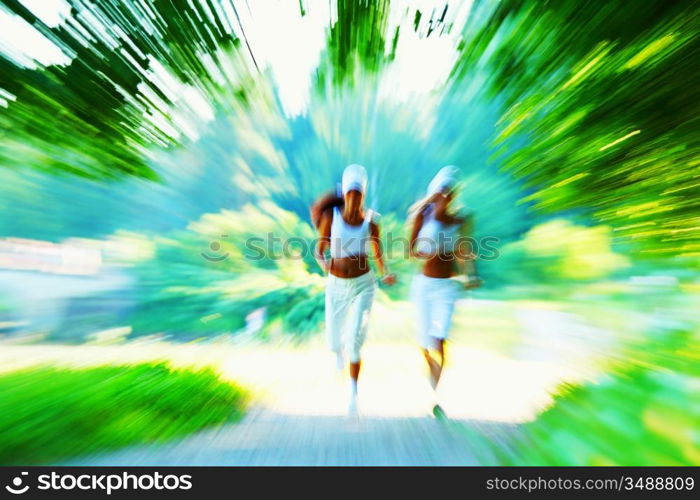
(473,283)
(323,263)
(417,254)
(389,279)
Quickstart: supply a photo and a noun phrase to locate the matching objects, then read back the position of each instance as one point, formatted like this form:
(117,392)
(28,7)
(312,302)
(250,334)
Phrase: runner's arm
(376,243)
(417,225)
(324,241)
(466,256)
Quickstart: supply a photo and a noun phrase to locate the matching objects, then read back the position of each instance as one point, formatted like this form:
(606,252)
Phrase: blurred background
(150,149)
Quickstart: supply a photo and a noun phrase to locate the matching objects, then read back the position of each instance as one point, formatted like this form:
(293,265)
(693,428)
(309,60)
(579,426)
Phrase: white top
(347,240)
(436,237)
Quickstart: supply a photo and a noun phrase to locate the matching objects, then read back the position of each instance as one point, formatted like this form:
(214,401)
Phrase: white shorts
(348,303)
(434,299)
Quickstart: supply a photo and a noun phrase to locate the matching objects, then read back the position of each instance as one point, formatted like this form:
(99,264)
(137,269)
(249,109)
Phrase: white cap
(354,178)
(446,178)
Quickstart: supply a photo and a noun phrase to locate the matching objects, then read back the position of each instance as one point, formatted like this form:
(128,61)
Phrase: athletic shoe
(439,413)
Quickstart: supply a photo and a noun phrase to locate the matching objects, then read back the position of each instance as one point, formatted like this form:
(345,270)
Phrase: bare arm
(324,241)
(466,253)
(376,243)
(417,225)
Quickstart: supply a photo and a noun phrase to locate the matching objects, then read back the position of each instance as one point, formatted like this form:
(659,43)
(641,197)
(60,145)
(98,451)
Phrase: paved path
(299,415)
(268,438)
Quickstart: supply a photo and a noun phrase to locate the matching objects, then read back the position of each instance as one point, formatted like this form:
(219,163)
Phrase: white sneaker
(438,412)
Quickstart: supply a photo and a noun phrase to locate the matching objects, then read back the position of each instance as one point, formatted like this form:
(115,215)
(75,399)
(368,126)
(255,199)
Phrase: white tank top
(436,237)
(347,240)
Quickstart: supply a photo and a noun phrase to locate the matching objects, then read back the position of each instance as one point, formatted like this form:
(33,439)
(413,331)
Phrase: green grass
(645,412)
(50,414)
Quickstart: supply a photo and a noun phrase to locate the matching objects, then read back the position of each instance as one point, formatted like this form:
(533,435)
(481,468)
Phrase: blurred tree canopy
(601,110)
(90,117)
(356,45)
(573,108)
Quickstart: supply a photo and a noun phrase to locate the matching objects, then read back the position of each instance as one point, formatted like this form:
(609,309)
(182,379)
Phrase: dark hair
(326,202)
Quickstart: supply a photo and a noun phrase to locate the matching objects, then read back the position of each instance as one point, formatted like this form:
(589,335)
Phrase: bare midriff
(439,265)
(349,267)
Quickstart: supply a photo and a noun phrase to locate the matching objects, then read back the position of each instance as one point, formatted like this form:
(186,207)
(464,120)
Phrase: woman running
(440,237)
(346,229)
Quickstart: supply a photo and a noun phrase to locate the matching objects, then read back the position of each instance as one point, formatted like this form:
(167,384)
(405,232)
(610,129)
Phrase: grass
(643,413)
(643,410)
(50,414)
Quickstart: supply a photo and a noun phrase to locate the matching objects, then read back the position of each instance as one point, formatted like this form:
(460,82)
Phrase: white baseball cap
(446,178)
(354,178)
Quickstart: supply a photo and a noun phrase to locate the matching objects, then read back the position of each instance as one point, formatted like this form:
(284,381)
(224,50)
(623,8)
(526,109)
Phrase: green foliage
(600,111)
(184,291)
(641,414)
(541,113)
(356,42)
(604,128)
(306,316)
(91,117)
(560,252)
(51,414)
